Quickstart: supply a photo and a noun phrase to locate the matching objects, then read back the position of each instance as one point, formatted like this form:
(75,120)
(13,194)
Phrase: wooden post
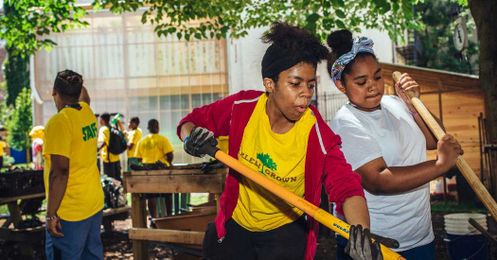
(139,220)
(466,171)
(172,180)
(15,213)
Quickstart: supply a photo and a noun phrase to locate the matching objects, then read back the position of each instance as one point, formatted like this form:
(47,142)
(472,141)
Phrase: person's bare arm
(169,158)
(59,174)
(378,178)
(405,89)
(100,146)
(431,141)
(84,96)
(356,211)
(186,129)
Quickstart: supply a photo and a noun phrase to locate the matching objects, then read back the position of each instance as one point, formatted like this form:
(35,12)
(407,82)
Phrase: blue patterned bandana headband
(361,44)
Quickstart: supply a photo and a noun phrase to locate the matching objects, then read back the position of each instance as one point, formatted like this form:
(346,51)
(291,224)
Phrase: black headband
(277,59)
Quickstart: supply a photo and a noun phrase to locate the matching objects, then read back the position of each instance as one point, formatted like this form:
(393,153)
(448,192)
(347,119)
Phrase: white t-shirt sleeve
(358,146)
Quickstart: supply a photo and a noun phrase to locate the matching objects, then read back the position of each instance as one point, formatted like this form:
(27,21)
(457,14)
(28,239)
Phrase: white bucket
(458,224)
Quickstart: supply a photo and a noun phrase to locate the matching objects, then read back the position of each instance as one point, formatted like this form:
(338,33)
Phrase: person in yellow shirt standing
(134,136)
(71,177)
(112,164)
(4,149)
(153,149)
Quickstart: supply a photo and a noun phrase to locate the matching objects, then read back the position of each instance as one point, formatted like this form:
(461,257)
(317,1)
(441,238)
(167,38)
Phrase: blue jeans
(81,240)
(425,252)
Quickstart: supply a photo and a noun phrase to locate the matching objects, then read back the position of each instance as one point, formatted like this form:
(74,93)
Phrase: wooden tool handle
(462,165)
(323,217)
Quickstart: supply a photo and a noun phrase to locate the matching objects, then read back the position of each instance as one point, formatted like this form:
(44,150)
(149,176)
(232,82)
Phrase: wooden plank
(112,211)
(180,170)
(15,213)
(167,235)
(212,183)
(433,79)
(23,197)
(23,235)
(138,218)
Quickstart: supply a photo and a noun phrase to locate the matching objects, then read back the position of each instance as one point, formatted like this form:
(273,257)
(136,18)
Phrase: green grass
(199,198)
(4,209)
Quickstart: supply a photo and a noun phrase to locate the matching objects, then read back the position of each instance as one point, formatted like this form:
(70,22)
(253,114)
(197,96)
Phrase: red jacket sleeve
(340,181)
(215,116)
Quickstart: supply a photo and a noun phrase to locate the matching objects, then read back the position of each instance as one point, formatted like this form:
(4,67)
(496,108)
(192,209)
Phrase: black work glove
(200,142)
(360,247)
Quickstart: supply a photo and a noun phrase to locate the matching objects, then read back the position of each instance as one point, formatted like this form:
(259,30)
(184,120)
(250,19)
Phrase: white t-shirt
(391,133)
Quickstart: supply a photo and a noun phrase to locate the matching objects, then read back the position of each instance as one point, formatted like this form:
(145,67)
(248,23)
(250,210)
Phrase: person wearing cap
(385,141)
(72,180)
(280,135)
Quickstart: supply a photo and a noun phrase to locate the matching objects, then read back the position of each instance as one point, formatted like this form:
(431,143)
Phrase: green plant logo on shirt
(89,132)
(266,162)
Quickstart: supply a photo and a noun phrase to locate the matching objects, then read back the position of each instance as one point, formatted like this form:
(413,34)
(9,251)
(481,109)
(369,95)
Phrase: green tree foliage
(219,18)
(5,110)
(16,70)
(21,121)
(25,23)
(436,48)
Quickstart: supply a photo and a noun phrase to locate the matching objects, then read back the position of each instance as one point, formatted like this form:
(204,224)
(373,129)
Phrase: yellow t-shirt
(153,148)
(3,144)
(72,133)
(281,158)
(223,143)
(104,137)
(134,137)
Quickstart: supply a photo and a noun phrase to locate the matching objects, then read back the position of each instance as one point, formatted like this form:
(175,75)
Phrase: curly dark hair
(290,42)
(135,120)
(340,43)
(153,126)
(106,117)
(68,83)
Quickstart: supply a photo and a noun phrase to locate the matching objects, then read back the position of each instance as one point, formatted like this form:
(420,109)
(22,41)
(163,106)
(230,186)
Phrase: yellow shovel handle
(323,217)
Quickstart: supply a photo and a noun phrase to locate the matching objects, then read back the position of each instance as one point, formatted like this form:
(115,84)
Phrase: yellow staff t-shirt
(104,137)
(134,137)
(72,133)
(153,148)
(279,157)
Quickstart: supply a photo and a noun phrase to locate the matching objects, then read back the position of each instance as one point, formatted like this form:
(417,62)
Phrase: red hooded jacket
(325,163)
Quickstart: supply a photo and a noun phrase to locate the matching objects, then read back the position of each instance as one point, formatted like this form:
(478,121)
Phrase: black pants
(286,242)
(113,170)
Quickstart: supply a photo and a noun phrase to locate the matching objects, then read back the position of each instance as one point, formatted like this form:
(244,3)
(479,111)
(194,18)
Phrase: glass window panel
(165,103)
(180,102)
(146,103)
(128,69)
(196,100)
